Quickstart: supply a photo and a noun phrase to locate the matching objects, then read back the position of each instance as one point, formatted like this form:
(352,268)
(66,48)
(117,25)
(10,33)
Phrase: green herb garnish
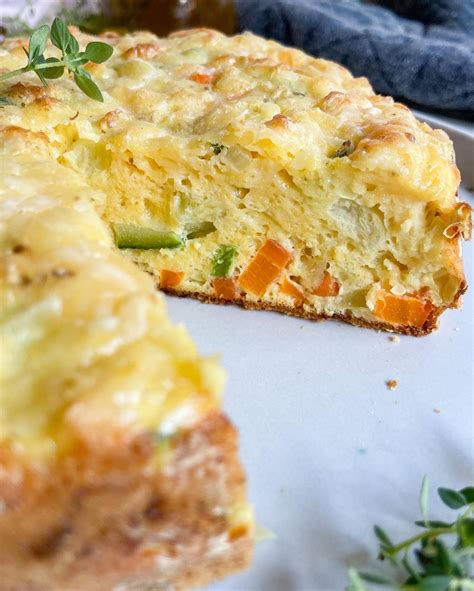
(440,558)
(71,60)
(128,236)
(217,148)
(201,230)
(346,149)
(222,261)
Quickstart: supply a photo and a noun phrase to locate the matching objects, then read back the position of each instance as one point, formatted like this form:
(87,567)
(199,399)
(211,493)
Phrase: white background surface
(329,450)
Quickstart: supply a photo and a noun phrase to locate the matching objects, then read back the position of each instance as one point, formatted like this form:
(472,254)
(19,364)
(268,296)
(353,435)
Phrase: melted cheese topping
(177,92)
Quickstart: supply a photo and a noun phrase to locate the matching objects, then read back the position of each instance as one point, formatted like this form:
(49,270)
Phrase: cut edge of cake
(431,323)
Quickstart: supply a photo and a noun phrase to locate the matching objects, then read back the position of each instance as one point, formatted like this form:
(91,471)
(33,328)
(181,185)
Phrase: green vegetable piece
(128,236)
(222,261)
(201,230)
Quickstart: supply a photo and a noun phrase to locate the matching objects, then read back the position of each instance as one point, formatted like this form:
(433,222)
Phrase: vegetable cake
(239,170)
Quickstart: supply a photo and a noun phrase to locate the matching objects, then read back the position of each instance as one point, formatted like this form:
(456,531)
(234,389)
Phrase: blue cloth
(421,51)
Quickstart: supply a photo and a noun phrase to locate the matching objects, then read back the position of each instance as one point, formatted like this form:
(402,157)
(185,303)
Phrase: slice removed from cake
(118,469)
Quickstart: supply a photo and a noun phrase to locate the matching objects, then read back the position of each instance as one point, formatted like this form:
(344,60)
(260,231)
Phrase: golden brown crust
(27,93)
(297,310)
(93,524)
(145,51)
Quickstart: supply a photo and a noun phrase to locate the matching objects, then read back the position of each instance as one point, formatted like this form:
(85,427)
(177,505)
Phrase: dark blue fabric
(419,50)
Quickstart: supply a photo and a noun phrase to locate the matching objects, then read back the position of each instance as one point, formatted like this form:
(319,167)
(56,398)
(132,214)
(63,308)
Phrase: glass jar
(165,16)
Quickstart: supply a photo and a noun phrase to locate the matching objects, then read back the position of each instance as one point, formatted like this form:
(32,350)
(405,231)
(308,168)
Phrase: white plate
(329,450)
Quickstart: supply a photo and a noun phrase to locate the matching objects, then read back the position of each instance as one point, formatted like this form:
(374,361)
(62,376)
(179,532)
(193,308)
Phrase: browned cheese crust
(99,524)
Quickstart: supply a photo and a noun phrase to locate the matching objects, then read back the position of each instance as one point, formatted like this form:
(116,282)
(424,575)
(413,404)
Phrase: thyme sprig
(71,59)
(440,558)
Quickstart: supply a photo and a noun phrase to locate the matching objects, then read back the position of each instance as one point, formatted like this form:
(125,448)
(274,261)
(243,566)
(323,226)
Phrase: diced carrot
(275,252)
(206,78)
(225,288)
(264,268)
(291,289)
(328,287)
(407,309)
(170,278)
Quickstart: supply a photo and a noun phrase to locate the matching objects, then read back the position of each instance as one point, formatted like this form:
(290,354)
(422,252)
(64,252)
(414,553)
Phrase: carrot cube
(329,287)
(264,268)
(225,288)
(291,289)
(407,309)
(169,279)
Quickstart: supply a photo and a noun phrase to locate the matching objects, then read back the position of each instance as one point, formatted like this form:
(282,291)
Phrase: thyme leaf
(71,60)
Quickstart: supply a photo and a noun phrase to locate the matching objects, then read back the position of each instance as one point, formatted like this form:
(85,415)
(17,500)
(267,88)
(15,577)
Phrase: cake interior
(238,192)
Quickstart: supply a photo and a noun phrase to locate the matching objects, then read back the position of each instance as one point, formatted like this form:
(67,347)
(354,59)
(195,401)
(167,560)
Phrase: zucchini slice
(128,236)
